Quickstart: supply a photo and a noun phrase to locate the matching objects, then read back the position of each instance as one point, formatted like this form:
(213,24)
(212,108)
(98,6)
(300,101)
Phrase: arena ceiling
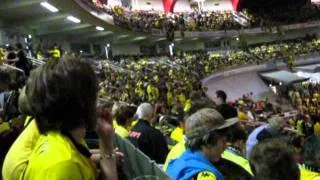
(30,17)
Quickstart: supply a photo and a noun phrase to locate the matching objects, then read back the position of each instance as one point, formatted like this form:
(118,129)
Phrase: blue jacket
(189,164)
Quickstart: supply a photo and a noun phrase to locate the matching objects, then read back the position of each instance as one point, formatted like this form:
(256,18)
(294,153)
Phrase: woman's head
(62,95)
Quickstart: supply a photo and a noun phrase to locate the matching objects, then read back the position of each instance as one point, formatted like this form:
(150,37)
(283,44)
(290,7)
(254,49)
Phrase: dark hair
(221,94)
(124,114)
(311,150)
(210,139)
(274,160)
(62,95)
(236,133)
(19,46)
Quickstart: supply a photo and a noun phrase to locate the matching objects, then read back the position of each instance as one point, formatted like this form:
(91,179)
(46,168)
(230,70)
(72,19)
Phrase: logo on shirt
(134,134)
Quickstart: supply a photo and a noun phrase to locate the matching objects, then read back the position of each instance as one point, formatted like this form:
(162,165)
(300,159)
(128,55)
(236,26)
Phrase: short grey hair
(144,111)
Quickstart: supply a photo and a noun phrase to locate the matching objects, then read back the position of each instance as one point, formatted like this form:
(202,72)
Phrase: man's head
(274,160)
(145,112)
(206,131)
(62,95)
(221,95)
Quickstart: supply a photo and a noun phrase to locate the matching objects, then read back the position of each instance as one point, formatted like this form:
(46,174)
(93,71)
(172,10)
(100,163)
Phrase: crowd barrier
(136,164)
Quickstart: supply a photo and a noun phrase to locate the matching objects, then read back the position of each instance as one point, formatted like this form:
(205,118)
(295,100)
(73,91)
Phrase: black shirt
(227,111)
(22,62)
(149,140)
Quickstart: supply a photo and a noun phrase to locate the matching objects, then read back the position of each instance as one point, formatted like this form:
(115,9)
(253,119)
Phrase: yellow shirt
(55,53)
(16,160)
(4,127)
(182,98)
(177,134)
(121,131)
(174,153)
(187,106)
(242,115)
(169,98)
(242,162)
(308,175)
(55,157)
(317,129)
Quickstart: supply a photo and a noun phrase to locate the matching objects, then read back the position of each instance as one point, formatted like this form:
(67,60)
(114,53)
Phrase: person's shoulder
(205,175)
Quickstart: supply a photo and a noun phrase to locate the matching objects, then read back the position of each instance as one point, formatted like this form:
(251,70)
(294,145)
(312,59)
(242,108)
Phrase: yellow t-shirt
(308,175)
(177,134)
(242,116)
(317,129)
(4,127)
(187,106)
(16,160)
(121,131)
(242,162)
(174,153)
(55,157)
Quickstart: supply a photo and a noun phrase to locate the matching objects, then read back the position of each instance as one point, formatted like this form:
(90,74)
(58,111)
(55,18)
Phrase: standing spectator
(23,63)
(224,109)
(148,139)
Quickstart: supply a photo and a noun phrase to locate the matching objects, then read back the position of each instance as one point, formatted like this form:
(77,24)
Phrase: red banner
(168,5)
(235,4)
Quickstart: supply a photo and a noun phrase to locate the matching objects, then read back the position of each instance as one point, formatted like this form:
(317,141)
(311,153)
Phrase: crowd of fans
(146,20)
(161,107)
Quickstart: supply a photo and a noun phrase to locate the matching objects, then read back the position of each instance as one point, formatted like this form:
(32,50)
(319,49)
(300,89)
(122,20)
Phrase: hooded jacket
(189,164)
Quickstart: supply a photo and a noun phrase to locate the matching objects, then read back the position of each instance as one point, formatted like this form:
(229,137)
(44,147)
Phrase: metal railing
(36,62)
(7,66)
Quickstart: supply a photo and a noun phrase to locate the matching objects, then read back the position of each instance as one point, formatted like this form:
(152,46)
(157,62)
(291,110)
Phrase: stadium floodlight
(49,7)
(99,28)
(74,19)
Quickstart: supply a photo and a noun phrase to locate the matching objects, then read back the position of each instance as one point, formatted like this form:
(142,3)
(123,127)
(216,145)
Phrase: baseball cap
(205,121)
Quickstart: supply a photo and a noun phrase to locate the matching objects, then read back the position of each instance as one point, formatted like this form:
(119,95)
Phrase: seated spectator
(124,119)
(274,160)
(263,132)
(206,139)
(235,152)
(311,156)
(226,110)
(148,139)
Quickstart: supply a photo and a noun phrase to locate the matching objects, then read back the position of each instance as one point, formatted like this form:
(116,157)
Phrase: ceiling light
(73,19)
(99,28)
(49,7)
